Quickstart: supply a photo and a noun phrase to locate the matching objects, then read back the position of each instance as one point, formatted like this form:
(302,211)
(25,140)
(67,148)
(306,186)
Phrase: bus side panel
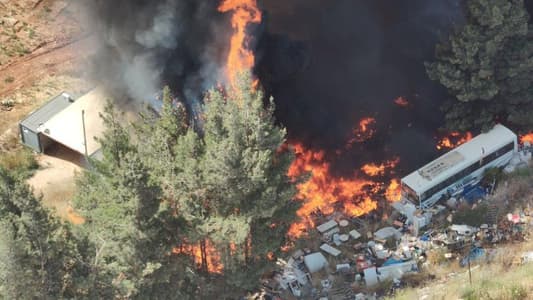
(475,176)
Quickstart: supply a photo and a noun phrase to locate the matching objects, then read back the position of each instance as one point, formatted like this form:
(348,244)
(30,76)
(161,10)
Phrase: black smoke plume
(148,44)
(330,63)
(327,64)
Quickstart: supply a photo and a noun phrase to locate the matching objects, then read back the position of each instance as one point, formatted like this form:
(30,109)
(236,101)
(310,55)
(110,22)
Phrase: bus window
(409,193)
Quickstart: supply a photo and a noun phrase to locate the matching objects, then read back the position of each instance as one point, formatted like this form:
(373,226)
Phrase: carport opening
(60,151)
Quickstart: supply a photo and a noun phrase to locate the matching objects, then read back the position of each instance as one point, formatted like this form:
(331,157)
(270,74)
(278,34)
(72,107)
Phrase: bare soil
(55,181)
(44,49)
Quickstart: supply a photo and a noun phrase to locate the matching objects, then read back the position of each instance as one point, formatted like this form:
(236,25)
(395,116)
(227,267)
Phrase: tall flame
(527,138)
(240,57)
(214,264)
(372,169)
(393,192)
(453,140)
(327,193)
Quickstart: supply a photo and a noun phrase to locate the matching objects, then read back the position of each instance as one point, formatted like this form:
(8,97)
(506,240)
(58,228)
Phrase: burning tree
(246,196)
(225,202)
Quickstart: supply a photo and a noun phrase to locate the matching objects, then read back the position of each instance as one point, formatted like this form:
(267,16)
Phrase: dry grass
(21,162)
(502,278)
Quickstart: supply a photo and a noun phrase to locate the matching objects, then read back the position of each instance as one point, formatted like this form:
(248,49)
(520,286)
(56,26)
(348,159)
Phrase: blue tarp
(392,261)
(473,193)
(475,254)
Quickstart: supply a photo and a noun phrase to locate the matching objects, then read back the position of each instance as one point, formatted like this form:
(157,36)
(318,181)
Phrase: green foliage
(133,234)
(170,186)
(20,162)
(471,216)
(249,197)
(490,290)
(39,258)
(487,66)
(518,292)
(115,141)
(228,182)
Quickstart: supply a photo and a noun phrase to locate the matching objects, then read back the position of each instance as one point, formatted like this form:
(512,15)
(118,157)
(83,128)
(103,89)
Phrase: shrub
(471,216)
(518,292)
(22,162)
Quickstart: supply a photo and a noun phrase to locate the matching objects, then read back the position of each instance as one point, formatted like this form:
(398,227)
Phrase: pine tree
(125,222)
(486,65)
(39,256)
(249,196)
(158,134)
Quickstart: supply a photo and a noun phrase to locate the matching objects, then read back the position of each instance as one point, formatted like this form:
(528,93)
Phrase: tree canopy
(487,66)
(197,210)
(40,258)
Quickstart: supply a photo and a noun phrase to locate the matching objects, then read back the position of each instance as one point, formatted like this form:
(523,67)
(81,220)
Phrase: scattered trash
(330,250)
(326,226)
(463,229)
(475,254)
(315,262)
(387,232)
(527,257)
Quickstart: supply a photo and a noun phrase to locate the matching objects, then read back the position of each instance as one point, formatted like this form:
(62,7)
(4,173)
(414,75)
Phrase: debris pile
(357,258)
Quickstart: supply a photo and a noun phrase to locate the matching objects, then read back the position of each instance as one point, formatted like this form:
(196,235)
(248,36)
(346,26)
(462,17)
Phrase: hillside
(216,195)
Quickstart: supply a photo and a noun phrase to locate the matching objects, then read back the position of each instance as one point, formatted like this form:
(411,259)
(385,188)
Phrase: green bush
(518,292)
(471,216)
(21,162)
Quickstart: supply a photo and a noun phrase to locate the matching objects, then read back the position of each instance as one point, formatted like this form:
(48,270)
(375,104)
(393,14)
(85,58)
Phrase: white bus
(449,174)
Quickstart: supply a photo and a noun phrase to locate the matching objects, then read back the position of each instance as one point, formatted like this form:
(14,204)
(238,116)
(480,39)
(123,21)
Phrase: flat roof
(66,126)
(459,158)
(44,113)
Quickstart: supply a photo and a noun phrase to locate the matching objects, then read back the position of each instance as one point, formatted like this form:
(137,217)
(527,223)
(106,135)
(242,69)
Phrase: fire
(74,217)
(213,259)
(401,101)
(373,169)
(326,193)
(240,58)
(453,140)
(527,138)
(271,256)
(364,131)
(393,192)
(364,124)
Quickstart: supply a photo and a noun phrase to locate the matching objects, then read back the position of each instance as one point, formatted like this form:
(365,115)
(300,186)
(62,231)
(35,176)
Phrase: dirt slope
(44,47)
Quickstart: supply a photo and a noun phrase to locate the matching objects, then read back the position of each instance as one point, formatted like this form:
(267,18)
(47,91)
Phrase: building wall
(45,142)
(30,139)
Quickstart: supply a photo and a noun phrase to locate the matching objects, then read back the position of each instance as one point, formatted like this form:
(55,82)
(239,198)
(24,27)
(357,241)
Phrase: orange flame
(373,169)
(325,192)
(73,217)
(393,192)
(240,58)
(401,101)
(214,264)
(527,138)
(364,131)
(453,140)
(271,256)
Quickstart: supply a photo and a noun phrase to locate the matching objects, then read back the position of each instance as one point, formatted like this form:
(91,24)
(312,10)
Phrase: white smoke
(164,30)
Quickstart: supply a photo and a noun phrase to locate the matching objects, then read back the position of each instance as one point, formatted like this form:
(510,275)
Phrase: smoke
(148,44)
(330,63)
(327,63)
